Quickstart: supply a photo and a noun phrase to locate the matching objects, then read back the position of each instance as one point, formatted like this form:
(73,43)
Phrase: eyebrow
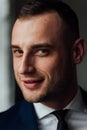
(14,46)
(44,45)
(36,46)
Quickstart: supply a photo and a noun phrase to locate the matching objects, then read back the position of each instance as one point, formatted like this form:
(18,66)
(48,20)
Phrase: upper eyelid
(17,50)
(14,50)
(41,49)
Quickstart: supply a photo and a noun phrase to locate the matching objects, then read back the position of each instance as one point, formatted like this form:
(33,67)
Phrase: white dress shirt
(76,117)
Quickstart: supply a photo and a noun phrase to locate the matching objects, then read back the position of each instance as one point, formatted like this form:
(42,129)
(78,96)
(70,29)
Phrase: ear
(79,48)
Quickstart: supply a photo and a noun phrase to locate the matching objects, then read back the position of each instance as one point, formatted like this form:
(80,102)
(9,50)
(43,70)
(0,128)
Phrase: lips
(32,83)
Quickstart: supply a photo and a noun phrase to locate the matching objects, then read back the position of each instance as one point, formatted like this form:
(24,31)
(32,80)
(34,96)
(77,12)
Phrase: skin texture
(44,67)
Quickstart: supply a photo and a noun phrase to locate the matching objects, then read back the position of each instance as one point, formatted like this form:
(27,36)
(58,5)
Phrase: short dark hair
(25,8)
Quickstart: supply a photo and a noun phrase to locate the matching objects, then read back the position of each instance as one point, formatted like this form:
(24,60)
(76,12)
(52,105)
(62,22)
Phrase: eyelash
(38,52)
(42,52)
(17,52)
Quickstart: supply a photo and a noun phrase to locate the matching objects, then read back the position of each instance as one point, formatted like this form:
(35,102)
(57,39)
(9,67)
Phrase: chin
(34,98)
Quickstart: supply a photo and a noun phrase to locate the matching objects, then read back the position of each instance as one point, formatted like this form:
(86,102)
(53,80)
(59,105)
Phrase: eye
(42,52)
(17,52)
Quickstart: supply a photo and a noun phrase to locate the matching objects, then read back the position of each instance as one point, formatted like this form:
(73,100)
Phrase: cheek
(48,66)
(54,68)
(16,65)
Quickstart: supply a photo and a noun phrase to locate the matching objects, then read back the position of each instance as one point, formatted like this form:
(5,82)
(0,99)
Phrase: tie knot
(60,114)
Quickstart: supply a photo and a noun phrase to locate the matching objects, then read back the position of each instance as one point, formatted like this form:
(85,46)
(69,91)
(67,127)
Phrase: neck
(62,100)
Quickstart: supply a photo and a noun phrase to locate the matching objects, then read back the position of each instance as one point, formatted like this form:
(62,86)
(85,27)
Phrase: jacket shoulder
(19,117)
(9,115)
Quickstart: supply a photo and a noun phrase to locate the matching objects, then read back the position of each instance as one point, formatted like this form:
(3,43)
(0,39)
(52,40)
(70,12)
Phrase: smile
(32,84)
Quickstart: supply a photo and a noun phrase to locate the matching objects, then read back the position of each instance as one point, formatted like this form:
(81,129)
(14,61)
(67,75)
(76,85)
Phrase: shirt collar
(76,104)
(42,110)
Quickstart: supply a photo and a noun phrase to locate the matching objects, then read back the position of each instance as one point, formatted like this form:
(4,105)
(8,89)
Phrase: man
(46,47)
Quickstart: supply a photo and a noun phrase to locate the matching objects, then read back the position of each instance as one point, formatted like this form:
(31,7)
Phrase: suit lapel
(28,116)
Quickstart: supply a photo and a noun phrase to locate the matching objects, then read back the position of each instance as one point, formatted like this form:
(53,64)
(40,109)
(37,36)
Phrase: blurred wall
(6,88)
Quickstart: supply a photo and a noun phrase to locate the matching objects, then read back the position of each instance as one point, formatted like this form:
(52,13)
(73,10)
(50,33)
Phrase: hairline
(65,26)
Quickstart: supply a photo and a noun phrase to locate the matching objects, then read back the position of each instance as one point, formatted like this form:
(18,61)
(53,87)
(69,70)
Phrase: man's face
(40,58)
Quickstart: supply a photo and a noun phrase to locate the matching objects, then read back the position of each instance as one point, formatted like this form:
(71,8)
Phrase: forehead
(37,27)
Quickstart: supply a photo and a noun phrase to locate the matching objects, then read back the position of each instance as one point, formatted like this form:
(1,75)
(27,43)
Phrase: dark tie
(62,125)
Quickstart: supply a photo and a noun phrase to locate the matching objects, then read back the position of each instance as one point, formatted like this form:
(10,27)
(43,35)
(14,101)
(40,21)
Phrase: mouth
(32,83)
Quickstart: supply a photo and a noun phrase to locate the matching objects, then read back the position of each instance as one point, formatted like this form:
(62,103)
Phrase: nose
(27,66)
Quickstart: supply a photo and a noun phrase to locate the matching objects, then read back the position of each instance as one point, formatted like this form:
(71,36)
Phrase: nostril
(26,69)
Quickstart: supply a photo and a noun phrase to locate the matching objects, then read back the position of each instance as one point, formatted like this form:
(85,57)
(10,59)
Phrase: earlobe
(79,48)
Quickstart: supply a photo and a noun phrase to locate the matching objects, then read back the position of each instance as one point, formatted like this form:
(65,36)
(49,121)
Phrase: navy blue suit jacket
(22,116)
